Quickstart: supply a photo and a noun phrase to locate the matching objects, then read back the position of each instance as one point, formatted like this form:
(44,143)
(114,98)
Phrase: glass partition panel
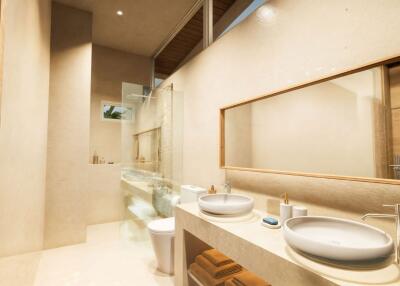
(151,145)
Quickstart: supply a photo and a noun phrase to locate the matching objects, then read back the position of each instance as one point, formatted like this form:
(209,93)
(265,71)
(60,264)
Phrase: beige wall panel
(68,140)
(106,202)
(111,68)
(23,129)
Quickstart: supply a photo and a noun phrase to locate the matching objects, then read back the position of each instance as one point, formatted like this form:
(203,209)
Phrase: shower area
(151,154)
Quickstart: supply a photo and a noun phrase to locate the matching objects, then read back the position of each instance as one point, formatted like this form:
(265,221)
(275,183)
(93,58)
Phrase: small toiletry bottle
(95,158)
(285,209)
(299,211)
(212,190)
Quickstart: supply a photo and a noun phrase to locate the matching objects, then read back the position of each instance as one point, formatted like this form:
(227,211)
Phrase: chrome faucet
(396,216)
(228,188)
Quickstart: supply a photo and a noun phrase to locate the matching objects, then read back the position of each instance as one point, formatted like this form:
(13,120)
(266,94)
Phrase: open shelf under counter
(265,252)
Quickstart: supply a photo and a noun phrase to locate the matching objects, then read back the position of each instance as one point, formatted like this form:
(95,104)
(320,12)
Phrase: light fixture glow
(266,14)
(120,13)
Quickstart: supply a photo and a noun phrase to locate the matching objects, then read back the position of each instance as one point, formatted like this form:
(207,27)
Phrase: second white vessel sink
(337,239)
(226,204)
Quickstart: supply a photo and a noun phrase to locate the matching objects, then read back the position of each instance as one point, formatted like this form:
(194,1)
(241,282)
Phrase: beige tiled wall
(68,138)
(111,68)
(321,196)
(284,43)
(23,125)
(105,201)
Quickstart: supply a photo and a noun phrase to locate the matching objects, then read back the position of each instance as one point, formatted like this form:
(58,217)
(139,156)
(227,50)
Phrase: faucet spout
(364,217)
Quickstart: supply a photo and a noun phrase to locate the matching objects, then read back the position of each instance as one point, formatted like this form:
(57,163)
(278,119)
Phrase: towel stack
(246,278)
(212,268)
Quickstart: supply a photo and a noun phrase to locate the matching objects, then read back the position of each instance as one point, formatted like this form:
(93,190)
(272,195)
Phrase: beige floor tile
(115,254)
(19,270)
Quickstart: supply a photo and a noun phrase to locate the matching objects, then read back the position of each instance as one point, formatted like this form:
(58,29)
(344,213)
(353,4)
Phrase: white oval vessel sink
(226,204)
(337,239)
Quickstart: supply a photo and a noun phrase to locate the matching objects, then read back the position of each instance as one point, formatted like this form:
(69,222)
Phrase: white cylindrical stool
(162,234)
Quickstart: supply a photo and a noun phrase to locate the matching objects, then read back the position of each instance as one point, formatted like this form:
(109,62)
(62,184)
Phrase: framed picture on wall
(115,111)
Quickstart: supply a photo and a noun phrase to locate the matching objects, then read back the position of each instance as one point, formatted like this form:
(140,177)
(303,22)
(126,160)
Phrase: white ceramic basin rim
(226,204)
(337,239)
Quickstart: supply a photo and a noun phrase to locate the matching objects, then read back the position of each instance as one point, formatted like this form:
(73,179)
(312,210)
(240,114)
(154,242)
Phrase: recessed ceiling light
(120,13)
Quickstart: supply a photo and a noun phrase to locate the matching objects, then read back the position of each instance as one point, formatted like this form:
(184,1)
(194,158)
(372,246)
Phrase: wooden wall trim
(315,175)
(222,138)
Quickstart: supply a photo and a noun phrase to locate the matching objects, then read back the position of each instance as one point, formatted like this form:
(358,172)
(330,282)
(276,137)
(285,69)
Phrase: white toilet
(162,231)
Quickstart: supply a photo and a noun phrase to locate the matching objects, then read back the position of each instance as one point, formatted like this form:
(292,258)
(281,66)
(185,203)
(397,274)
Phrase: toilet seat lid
(166,225)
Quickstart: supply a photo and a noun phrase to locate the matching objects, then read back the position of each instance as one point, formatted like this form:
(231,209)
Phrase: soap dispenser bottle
(95,158)
(285,209)
(212,190)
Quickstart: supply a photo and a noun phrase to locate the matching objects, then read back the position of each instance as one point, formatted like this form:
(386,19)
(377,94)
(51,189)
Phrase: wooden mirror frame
(222,165)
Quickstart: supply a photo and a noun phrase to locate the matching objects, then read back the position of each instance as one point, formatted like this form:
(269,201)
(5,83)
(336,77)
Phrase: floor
(115,254)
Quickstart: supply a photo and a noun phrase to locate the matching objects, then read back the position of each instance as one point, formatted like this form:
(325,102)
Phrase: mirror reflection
(346,126)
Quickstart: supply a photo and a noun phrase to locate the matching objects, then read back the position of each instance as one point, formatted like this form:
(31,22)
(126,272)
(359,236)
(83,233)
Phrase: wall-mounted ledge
(116,165)
(264,252)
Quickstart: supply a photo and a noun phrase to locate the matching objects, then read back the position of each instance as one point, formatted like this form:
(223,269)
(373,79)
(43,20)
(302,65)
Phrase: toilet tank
(191,193)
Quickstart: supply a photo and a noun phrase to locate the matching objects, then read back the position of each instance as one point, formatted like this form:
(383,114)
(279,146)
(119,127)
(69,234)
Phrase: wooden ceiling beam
(190,34)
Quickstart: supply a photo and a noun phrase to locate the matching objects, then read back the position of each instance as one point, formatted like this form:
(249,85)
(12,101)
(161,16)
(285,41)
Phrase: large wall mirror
(346,126)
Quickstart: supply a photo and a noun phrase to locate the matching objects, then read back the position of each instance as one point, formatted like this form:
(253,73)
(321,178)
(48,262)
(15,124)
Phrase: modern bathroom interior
(199,143)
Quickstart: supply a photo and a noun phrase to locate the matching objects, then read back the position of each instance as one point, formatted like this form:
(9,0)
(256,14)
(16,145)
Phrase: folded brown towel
(247,278)
(229,283)
(215,271)
(216,257)
(205,278)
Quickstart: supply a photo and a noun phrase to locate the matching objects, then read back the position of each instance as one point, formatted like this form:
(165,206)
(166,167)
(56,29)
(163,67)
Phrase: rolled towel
(247,278)
(216,257)
(215,271)
(205,278)
(229,283)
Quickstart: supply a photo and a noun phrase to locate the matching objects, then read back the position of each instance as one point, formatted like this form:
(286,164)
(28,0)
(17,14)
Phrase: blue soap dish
(270,222)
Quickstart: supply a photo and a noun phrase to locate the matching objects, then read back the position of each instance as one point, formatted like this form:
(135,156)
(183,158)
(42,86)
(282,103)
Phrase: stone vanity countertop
(265,252)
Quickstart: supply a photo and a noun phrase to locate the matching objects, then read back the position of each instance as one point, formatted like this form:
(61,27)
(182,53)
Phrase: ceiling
(189,36)
(143,27)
